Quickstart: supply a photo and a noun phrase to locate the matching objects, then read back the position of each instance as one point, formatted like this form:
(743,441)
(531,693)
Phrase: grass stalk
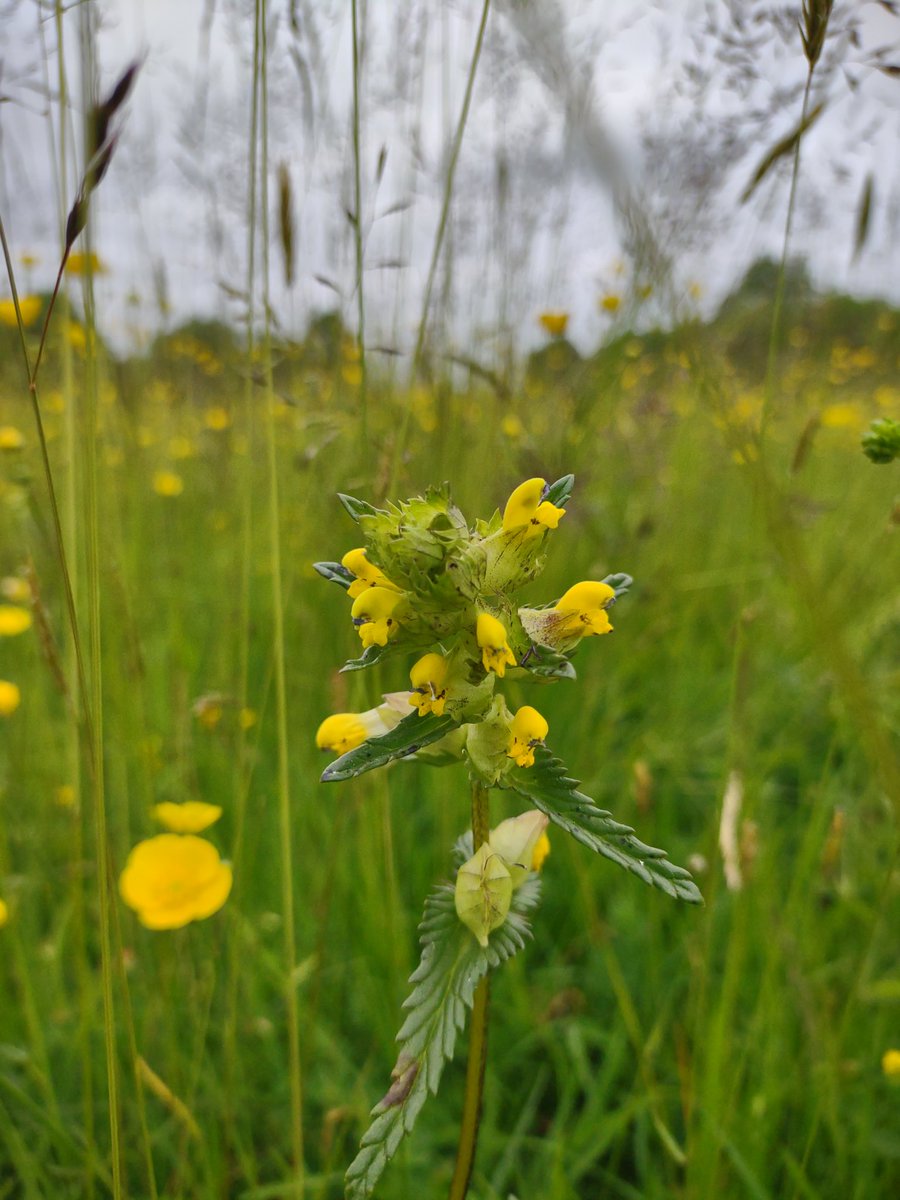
(477,1062)
(284,792)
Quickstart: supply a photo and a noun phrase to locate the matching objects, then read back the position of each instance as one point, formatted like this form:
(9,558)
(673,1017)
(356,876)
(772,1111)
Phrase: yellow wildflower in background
(191,817)
(29,307)
(10,438)
(217,418)
(173,879)
(610,303)
(167,483)
(4,913)
(13,620)
(81,264)
(16,589)
(10,698)
(495,652)
(554,323)
(890,1064)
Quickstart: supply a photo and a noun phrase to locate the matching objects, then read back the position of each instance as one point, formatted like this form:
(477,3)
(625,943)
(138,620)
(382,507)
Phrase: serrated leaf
(559,492)
(451,966)
(357,508)
(549,788)
(404,739)
(335,572)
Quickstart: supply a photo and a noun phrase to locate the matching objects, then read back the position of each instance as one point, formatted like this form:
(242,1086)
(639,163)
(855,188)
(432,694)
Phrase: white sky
(175,198)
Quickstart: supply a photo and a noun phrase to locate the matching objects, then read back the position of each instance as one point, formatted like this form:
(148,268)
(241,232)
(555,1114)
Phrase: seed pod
(483,893)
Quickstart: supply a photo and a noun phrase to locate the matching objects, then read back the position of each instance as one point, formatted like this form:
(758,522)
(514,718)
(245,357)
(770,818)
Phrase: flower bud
(515,840)
(373,615)
(529,729)
(483,892)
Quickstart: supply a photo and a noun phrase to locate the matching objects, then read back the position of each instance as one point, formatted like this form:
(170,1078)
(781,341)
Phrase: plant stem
(471,1116)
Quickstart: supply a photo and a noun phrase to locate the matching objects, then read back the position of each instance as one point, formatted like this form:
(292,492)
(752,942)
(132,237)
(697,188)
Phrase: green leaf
(558,493)
(547,786)
(404,739)
(620,583)
(357,508)
(547,664)
(335,572)
(451,965)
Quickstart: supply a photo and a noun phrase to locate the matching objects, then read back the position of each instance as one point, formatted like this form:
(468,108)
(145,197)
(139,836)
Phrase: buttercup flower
(367,574)
(172,879)
(373,615)
(554,322)
(516,840)
(428,677)
(491,637)
(528,730)
(584,607)
(527,508)
(483,892)
(190,817)
(13,620)
(10,698)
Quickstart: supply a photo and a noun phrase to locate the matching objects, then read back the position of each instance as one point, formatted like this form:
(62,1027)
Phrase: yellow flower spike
(428,676)
(584,605)
(173,879)
(540,852)
(515,841)
(191,817)
(529,729)
(367,574)
(483,893)
(341,732)
(373,615)
(10,698)
(495,651)
(13,620)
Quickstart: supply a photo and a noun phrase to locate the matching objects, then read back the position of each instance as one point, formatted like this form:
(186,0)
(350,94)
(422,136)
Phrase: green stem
(471,1116)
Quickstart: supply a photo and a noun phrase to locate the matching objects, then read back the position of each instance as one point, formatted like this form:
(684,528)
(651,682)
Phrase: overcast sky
(594,129)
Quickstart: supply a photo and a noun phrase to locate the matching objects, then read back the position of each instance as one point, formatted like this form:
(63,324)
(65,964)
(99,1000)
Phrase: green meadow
(639,1047)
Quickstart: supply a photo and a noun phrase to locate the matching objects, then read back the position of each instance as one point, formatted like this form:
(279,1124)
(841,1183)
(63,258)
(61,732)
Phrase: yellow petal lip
(527,510)
(173,879)
(584,608)
(193,816)
(341,732)
(367,574)
(491,637)
(373,615)
(428,676)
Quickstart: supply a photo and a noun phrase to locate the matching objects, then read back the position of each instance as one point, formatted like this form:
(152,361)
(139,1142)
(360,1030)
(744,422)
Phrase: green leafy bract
(451,965)
(404,739)
(549,788)
(559,492)
(357,508)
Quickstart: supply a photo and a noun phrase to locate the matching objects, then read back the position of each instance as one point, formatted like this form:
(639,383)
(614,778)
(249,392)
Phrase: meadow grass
(638,1047)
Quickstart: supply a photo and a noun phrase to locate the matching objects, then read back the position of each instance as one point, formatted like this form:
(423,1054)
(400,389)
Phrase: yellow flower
(491,637)
(610,303)
(528,730)
(540,852)
(4,913)
(167,483)
(554,323)
(341,732)
(209,709)
(483,892)
(172,879)
(890,1064)
(10,698)
(191,817)
(81,264)
(527,507)
(427,677)
(373,615)
(367,574)
(13,620)
(29,307)
(584,609)
(217,418)
(515,840)
(10,438)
